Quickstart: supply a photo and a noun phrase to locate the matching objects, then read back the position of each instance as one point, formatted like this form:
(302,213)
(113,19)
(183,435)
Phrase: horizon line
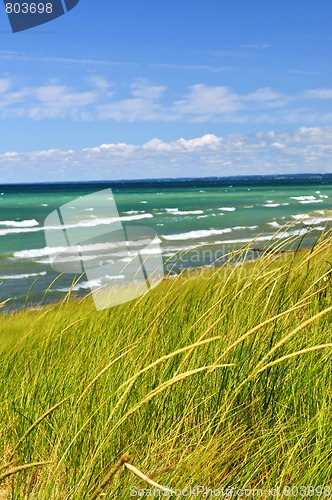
(171,179)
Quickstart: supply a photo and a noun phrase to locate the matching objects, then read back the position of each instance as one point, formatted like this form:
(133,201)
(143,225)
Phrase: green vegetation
(222,379)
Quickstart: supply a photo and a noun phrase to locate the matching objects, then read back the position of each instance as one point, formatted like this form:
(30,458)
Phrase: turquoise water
(186,213)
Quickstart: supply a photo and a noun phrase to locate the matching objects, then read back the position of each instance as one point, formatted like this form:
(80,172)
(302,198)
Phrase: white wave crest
(23,223)
(203,233)
(176,211)
(83,223)
(22,276)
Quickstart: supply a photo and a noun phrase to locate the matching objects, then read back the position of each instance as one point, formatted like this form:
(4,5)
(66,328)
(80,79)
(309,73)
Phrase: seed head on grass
(109,476)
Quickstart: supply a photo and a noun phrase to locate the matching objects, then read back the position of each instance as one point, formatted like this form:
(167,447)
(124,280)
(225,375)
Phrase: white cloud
(120,150)
(4,85)
(205,100)
(46,101)
(264,94)
(100,82)
(60,95)
(135,109)
(207,142)
(301,150)
(157,146)
(266,98)
(143,101)
(142,89)
(318,94)
(141,106)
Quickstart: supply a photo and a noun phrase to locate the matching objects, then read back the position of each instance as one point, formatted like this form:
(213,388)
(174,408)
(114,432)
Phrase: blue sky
(181,88)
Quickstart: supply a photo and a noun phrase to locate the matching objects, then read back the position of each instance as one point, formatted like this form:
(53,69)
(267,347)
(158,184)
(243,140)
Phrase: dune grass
(220,379)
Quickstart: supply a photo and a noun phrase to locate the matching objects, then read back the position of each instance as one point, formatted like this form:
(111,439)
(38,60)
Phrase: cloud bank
(307,149)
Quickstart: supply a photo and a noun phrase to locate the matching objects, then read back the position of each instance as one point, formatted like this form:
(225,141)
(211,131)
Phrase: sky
(177,88)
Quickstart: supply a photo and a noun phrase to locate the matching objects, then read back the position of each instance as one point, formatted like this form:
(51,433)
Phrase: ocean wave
(91,284)
(22,276)
(176,211)
(307,219)
(84,285)
(311,201)
(248,240)
(36,253)
(84,223)
(132,212)
(135,217)
(308,199)
(67,259)
(266,237)
(150,251)
(274,205)
(303,198)
(5,232)
(317,220)
(227,209)
(300,216)
(203,233)
(102,221)
(23,223)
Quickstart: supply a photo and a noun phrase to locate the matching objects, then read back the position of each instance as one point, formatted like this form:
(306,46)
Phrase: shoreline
(189,273)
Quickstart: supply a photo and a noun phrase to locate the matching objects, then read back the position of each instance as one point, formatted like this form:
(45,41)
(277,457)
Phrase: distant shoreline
(307,178)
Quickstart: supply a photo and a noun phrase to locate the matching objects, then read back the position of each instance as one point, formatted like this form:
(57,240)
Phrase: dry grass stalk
(10,472)
(109,476)
(148,480)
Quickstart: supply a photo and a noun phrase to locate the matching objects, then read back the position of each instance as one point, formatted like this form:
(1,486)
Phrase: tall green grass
(220,379)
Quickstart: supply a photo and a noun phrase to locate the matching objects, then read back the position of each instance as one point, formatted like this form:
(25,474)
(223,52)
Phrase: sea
(216,214)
